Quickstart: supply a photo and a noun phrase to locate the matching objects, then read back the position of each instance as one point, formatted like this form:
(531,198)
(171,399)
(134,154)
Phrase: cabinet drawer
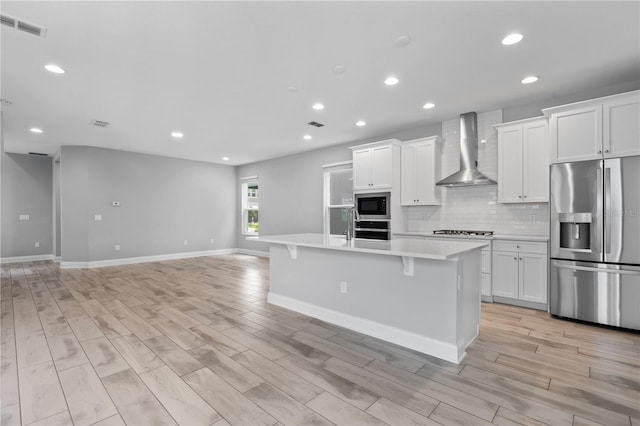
(520,246)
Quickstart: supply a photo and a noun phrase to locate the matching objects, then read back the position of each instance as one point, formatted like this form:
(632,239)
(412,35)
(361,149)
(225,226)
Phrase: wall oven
(373,206)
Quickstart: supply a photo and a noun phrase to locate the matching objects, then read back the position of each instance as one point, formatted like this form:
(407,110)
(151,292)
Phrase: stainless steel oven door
(596,292)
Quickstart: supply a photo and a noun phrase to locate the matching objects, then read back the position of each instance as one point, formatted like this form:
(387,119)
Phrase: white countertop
(424,249)
(542,238)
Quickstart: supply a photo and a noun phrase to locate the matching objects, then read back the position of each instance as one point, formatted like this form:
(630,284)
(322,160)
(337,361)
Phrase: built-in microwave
(373,206)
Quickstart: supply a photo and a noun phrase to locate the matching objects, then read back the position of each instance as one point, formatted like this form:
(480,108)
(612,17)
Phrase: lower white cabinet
(520,270)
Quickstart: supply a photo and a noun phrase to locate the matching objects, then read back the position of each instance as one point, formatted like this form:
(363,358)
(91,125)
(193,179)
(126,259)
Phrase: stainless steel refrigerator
(595,241)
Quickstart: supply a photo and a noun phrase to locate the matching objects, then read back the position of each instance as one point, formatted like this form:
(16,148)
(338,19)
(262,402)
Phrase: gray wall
(291,187)
(163,202)
(26,189)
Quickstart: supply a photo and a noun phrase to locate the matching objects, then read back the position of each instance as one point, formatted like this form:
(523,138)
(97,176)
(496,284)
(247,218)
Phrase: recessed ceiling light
(35,130)
(292,89)
(530,79)
(391,81)
(403,41)
(307,137)
(54,69)
(339,69)
(318,106)
(177,135)
(225,158)
(428,105)
(483,141)
(361,123)
(512,39)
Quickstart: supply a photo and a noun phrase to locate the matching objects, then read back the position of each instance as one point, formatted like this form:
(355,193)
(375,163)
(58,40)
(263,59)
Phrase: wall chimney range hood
(468,175)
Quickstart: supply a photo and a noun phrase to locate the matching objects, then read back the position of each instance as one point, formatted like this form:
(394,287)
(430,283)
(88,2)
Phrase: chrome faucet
(352,216)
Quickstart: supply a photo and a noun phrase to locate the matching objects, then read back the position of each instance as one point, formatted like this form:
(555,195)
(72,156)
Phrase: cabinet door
(505,274)
(382,165)
(533,277)
(486,285)
(408,175)
(576,135)
(535,147)
(362,169)
(622,127)
(510,164)
(425,174)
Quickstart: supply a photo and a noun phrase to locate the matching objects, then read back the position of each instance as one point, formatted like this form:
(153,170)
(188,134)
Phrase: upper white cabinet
(419,165)
(523,161)
(600,128)
(373,165)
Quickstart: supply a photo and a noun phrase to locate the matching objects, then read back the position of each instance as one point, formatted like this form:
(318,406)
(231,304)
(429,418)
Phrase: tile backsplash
(476,207)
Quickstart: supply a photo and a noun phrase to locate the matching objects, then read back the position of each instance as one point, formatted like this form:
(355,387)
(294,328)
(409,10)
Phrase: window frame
(328,170)
(244,208)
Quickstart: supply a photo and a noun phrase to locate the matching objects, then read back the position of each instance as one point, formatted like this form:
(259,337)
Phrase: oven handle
(590,269)
(371,229)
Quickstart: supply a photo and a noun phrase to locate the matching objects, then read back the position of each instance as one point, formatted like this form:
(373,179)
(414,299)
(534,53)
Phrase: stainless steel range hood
(468,175)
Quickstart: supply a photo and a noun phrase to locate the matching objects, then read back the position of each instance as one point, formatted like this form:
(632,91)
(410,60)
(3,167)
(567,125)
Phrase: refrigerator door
(622,210)
(600,293)
(576,206)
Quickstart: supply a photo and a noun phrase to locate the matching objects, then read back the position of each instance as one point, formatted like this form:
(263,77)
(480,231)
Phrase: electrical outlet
(343,287)
(211,241)
(97,217)
(37,244)
(186,242)
(24,217)
(117,247)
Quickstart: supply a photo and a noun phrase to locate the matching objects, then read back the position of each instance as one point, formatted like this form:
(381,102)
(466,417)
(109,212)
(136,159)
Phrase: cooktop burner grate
(461,232)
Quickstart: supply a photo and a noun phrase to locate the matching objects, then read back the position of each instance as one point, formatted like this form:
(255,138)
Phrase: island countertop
(423,249)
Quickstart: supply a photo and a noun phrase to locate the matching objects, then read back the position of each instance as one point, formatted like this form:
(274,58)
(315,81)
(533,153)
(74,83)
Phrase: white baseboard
(34,258)
(447,351)
(157,258)
(252,252)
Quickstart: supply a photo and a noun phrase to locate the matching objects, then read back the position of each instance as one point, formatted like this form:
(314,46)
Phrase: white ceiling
(220,71)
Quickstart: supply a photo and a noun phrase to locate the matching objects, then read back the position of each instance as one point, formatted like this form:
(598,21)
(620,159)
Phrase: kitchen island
(423,295)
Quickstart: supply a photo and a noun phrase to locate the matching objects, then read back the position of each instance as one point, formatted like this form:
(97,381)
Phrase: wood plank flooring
(194,342)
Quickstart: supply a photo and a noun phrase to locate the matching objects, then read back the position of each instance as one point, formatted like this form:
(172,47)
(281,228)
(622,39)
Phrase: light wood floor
(194,342)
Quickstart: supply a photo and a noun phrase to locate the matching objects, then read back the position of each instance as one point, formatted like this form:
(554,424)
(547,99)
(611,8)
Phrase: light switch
(24,217)
(97,217)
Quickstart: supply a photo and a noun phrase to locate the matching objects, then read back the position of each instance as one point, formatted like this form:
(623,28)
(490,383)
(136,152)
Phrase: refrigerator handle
(607,210)
(599,202)
(592,269)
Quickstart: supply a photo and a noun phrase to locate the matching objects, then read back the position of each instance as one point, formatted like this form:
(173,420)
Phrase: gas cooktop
(461,232)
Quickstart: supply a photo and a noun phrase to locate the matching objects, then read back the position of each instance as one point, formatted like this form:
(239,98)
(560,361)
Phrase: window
(338,197)
(250,201)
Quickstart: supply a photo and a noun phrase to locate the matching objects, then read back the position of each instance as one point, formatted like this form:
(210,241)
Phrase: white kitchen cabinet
(419,165)
(523,161)
(599,128)
(373,165)
(520,272)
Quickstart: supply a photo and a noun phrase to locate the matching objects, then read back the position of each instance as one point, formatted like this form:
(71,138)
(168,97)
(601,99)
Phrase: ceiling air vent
(99,123)
(315,124)
(27,27)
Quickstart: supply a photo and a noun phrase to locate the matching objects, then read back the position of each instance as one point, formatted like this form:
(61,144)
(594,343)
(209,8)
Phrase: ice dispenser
(575,231)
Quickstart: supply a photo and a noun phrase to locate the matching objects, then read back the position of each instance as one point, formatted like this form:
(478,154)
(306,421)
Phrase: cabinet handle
(515,258)
(606,151)
(524,196)
(599,151)
(519,196)
(520,258)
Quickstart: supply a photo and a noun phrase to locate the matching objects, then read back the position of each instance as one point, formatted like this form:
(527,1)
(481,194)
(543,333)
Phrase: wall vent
(99,123)
(27,27)
(315,124)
